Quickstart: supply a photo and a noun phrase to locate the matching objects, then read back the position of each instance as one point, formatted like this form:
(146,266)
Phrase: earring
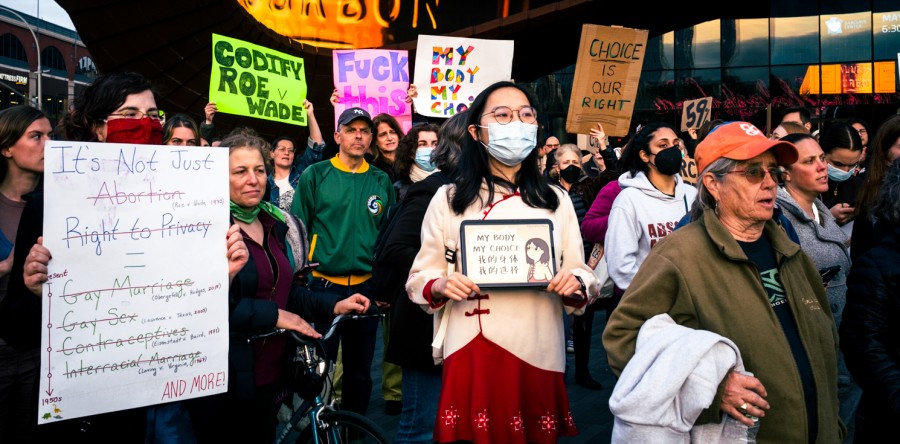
(716,207)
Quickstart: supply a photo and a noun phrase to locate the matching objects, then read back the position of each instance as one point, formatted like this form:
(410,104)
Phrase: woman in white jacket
(652,201)
(503,350)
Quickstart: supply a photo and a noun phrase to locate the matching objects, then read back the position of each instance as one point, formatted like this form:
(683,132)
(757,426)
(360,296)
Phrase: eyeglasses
(284,149)
(504,115)
(156,114)
(756,174)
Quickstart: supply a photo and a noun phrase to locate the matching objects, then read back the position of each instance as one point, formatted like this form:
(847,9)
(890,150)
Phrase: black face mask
(571,174)
(668,161)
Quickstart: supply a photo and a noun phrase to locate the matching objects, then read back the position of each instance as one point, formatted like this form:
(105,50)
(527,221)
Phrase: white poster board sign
(135,310)
(451,71)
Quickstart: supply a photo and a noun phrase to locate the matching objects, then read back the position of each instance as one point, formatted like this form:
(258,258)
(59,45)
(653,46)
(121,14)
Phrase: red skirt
(491,396)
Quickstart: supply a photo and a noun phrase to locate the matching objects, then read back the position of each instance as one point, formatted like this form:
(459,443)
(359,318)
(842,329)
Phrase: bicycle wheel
(344,427)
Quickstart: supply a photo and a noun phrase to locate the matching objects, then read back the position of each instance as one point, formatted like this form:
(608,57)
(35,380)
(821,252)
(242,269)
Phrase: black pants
(357,341)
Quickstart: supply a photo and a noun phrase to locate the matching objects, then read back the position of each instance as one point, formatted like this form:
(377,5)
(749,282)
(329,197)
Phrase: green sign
(254,81)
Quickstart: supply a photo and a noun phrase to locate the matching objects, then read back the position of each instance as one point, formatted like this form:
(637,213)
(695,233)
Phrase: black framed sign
(508,253)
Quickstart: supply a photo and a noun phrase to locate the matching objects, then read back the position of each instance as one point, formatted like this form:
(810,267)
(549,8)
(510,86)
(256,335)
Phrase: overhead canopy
(169,41)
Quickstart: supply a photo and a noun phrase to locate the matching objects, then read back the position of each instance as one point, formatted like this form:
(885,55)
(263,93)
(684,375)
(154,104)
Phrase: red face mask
(144,131)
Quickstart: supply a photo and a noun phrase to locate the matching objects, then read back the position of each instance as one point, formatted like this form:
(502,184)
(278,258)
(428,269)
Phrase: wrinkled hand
(290,321)
(842,213)
(565,284)
(411,93)
(743,390)
(457,287)
(237,252)
(335,98)
(210,110)
(356,303)
(36,263)
(600,136)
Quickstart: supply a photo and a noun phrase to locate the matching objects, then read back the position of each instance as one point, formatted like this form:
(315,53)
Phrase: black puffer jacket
(870,336)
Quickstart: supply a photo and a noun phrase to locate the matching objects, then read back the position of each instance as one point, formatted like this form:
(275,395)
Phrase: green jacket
(342,211)
(701,277)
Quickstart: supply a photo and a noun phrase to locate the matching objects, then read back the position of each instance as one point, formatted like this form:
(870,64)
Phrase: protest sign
(255,81)
(689,170)
(451,71)
(135,309)
(508,253)
(607,73)
(375,80)
(695,113)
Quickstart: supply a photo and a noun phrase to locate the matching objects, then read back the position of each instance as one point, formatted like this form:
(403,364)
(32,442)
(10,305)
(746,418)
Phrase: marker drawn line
(133,253)
(96,320)
(135,266)
(128,288)
(182,357)
(130,340)
(109,233)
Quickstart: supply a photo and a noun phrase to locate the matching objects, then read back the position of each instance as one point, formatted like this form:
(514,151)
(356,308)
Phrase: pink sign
(375,80)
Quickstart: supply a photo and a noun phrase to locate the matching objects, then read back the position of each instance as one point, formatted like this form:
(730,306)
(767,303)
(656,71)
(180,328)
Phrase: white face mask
(510,143)
(837,174)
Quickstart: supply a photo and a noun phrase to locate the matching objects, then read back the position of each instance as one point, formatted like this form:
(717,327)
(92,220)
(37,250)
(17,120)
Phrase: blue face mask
(423,159)
(511,143)
(837,174)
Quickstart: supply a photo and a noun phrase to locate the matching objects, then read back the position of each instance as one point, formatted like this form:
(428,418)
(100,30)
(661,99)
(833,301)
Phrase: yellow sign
(607,73)
(254,81)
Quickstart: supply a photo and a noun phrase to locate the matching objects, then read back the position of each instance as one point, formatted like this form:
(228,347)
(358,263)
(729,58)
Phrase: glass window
(660,52)
(699,46)
(846,37)
(745,42)
(785,83)
(696,83)
(12,51)
(656,91)
(86,68)
(52,59)
(794,40)
(886,34)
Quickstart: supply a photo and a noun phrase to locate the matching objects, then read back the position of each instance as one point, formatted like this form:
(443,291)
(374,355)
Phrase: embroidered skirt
(491,396)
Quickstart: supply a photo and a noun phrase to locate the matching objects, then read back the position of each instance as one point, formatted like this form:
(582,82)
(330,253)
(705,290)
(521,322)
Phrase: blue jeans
(357,341)
(421,391)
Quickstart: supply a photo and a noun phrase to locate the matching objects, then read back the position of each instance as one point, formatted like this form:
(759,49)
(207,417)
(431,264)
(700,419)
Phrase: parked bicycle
(318,419)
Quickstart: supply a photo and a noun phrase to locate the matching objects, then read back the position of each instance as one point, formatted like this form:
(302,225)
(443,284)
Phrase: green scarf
(248,216)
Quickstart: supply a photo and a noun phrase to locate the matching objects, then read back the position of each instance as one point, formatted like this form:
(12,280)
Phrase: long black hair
(474,168)
(631,157)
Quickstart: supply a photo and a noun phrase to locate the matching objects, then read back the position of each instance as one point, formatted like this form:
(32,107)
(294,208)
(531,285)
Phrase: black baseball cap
(351,114)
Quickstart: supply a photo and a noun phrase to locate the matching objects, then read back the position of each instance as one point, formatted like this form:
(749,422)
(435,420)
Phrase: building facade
(65,64)
(837,58)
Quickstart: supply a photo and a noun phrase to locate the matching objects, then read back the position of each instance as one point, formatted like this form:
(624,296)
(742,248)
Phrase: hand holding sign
(457,287)
(598,137)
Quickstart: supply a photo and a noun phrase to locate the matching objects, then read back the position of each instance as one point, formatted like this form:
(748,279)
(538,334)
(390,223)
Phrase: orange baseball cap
(741,141)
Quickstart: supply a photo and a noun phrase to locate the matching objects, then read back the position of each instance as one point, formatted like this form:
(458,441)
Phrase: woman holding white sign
(264,295)
(502,349)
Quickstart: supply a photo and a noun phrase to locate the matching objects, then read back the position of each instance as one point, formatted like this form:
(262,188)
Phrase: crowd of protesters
(764,296)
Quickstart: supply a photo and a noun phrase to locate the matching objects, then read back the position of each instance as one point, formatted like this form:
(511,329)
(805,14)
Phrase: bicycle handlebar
(301,338)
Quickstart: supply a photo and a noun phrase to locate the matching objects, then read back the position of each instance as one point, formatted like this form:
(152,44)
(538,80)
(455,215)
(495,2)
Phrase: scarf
(416,173)
(248,216)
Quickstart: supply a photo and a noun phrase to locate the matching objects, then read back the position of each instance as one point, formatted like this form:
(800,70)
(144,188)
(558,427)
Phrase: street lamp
(37,46)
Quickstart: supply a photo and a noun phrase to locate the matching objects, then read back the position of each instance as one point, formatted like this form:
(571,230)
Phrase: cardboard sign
(375,80)
(689,171)
(508,253)
(451,71)
(607,73)
(255,81)
(135,311)
(695,113)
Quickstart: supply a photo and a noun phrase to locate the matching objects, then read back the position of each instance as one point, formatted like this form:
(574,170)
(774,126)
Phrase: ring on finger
(743,407)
